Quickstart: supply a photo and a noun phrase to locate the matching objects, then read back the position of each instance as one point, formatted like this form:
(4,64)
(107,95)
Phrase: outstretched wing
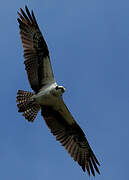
(71,136)
(37,60)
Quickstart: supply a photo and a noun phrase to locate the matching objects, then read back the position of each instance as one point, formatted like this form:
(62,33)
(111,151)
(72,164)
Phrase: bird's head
(59,90)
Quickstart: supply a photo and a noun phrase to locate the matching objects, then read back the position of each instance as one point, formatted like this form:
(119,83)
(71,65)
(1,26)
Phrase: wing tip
(26,8)
(27,17)
(90,165)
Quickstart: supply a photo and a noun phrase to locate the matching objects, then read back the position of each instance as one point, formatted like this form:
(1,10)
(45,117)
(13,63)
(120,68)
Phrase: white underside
(47,98)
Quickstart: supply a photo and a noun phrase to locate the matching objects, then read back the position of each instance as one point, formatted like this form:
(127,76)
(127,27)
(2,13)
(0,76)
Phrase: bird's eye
(57,87)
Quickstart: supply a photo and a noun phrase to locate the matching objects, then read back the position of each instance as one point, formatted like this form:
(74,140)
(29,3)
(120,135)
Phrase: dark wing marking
(71,137)
(37,63)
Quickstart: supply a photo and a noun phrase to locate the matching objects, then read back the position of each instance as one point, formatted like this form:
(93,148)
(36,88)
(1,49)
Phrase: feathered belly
(46,99)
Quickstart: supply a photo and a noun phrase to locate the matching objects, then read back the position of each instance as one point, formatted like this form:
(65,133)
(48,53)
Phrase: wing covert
(37,60)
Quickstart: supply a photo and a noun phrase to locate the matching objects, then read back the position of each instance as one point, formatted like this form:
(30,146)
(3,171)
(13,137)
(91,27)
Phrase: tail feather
(28,108)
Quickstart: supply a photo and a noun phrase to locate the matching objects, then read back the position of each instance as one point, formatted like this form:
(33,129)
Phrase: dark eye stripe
(57,87)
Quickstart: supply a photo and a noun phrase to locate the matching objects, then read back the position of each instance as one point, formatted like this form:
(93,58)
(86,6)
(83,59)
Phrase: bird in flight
(47,95)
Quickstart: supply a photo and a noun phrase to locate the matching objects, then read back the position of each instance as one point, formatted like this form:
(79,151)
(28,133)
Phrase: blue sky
(89,47)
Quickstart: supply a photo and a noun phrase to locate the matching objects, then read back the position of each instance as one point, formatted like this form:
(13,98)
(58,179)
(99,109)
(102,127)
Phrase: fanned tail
(28,108)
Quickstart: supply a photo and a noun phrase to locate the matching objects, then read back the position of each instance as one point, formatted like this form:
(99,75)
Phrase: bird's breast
(46,98)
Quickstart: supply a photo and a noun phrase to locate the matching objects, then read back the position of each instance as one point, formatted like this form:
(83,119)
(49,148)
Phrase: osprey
(47,95)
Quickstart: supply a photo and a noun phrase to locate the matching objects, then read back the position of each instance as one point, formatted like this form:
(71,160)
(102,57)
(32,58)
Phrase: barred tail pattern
(29,109)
